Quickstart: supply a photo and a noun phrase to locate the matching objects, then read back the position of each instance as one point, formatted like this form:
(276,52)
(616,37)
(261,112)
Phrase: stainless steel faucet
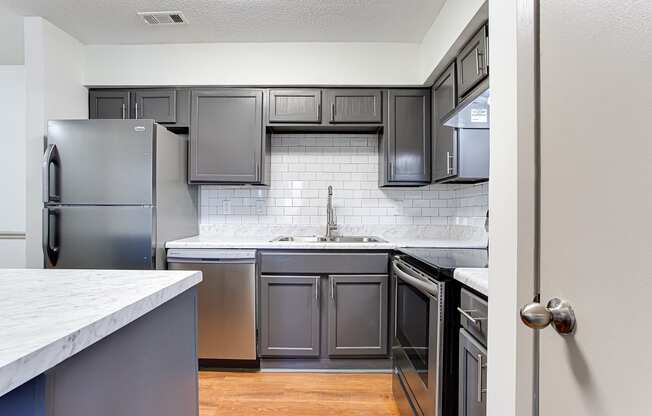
(331,224)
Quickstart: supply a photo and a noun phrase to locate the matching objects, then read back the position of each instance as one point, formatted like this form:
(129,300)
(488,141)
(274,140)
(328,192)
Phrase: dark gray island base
(147,368)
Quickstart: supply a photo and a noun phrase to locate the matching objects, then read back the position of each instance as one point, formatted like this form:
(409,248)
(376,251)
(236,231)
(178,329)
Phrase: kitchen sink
(318,239)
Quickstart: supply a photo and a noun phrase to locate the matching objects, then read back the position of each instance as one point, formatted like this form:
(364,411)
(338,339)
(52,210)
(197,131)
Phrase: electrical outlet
(226,206)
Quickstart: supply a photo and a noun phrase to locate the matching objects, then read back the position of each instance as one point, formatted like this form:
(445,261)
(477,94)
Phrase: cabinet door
(109,104)
(408,137)
(295,106)
(473,377)
(444,160)
(289,316)
(157,104)
(357,315)
(354,106)
(226,135)
(472,62)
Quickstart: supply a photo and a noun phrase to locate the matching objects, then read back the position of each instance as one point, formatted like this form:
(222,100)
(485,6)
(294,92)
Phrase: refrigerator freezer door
(98,237)
(102,162)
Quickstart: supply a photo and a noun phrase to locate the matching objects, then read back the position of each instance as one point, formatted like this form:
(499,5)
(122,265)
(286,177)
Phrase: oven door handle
(430,289)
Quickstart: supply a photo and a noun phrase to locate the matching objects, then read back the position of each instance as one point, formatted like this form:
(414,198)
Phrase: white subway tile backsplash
(304,165)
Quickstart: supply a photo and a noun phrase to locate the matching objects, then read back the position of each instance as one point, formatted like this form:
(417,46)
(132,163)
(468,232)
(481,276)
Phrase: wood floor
(295,394)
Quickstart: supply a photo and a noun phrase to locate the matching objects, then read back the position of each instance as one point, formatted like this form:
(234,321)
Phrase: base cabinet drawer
(357,315)
(289,316)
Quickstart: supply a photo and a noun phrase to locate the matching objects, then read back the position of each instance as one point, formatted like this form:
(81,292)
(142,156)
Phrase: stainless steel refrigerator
(114,191)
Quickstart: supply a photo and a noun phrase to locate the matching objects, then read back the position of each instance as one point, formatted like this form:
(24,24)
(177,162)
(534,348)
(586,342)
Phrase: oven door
(417,347)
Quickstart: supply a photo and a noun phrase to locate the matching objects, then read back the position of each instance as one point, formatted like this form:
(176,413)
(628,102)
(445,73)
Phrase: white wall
(310,63)
(435,49)
(12,166)
(11,35)
(253,64)
(54,74)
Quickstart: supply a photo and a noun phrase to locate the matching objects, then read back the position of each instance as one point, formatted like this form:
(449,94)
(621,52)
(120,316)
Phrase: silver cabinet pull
(136,110)
(332,112)
(124,111)
(317,289)
(449,163)
(480,389)
(391,170)
(478,68)
(469,317)
(332,289)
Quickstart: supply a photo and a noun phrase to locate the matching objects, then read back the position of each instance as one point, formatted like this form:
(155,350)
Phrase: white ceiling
(116,22)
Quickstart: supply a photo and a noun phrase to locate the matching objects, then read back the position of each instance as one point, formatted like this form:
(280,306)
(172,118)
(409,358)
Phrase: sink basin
(317,239)
(301,239)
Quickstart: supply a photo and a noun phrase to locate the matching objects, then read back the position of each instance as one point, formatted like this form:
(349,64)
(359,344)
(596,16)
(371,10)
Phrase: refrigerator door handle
(50,240)
(51,157)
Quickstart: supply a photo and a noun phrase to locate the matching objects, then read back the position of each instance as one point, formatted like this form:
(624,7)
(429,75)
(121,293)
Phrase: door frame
(513,203)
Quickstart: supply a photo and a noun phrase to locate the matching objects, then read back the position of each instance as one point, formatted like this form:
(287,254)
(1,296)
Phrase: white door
(596,205)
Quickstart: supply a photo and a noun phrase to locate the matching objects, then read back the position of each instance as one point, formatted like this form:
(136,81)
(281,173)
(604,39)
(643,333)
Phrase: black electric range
(446,260)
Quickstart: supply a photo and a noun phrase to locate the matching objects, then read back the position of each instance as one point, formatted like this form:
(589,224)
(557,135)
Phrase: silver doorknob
(558,312)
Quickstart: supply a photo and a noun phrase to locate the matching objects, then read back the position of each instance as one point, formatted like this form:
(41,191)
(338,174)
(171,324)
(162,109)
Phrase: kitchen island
(82,342)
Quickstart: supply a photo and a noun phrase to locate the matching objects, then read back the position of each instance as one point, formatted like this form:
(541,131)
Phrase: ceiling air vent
(163,18)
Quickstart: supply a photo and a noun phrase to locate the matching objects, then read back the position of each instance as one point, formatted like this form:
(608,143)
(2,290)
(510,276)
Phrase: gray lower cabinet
(353,106)
(405,146)
(472,376)
(289,316)
(226,138)
(109,104)
(473,62)
(156,104)
(294,105)
(357,315)
(444,159)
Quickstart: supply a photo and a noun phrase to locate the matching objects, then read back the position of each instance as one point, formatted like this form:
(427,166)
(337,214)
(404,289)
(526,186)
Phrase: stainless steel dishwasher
(226,305)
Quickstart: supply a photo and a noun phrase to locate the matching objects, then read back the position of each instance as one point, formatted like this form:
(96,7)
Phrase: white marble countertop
(47,316)
(477,279)
(253,242)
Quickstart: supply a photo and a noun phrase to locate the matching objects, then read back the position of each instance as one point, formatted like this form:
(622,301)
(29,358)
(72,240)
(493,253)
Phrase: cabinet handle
(478,68)
(391,170)
(332,112)
(257,172)
(332,289)
(449,163)
(480,60)
(124,111)
(480,389)
(136,110)
(317,289)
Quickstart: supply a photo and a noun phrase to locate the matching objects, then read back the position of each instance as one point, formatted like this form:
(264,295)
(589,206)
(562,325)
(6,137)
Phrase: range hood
(473,111)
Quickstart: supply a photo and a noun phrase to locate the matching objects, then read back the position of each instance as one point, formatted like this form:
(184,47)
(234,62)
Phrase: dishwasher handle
(211,261)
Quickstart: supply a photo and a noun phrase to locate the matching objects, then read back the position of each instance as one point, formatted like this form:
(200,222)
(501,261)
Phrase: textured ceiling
(116,22)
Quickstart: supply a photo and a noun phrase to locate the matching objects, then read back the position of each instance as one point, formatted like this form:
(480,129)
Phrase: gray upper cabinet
(289,316)
(406,142)
(357,315)
(472,377)
(157,104)
(168,106)
(353,106)
(226,138)
(109,104)
(473,62)
(295,105)
(444,159)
